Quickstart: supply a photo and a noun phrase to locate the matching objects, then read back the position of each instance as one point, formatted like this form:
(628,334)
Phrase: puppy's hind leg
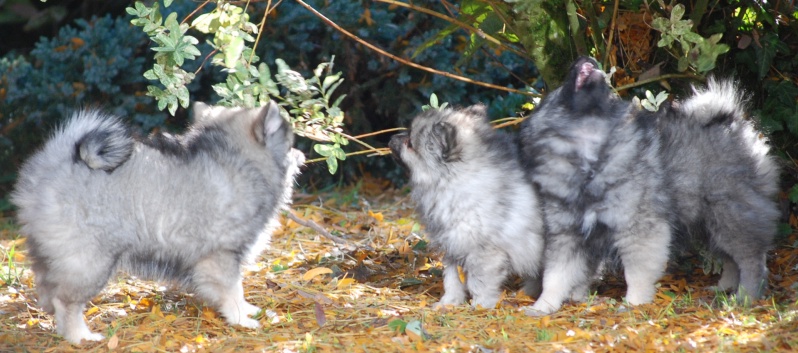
(730,277)
(744,230)
(69,285)
(217,280)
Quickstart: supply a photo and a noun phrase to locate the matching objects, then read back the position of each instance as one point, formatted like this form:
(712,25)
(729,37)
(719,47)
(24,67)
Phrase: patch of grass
(11,271)
(543,335)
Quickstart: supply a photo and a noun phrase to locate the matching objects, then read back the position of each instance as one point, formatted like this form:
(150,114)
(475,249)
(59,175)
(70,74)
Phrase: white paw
(76,337)
(448,300)
(249,323)
(485,303)
(540,308)
(249,309)
(530,311)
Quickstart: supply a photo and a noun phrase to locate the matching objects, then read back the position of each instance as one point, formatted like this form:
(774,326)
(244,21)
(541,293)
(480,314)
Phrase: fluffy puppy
(599,175)
(723,183)
(187,208)
(464,177)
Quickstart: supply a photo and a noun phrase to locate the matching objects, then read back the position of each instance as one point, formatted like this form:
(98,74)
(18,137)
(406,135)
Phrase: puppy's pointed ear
(271,129)
(446,136)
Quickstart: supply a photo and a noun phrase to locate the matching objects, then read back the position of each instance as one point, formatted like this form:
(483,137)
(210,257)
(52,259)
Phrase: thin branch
(514,121)
(381,151)
(315,226)
(608,47)
(269,9)
(655,79)
(195,11)
(406,62)
(459,23)
(380,132)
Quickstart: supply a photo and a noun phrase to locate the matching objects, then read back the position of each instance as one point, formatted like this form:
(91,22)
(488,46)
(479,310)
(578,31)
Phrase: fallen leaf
(321,319)
(315,272)
(113,342)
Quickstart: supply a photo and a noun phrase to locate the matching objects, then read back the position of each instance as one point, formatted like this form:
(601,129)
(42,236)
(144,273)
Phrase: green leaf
(433,100)
(660,24)
(398,325)
(323,150)
(233,52)
(693,37)
(677,12)
(648,106)
(338,153)
(650,96)
(166,3)
(329,80)
(150,75)
(207,23)
(332,164)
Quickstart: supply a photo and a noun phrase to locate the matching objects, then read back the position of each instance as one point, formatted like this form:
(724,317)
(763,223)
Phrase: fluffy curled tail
(720,103)
(102,141)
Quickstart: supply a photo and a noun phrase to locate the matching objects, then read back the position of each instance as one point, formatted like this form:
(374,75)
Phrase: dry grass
(374,295)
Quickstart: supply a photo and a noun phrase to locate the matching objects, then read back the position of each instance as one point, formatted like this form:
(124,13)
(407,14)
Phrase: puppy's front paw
(249,323)
(249,309)
(448,301)
(531,311)
(76,337)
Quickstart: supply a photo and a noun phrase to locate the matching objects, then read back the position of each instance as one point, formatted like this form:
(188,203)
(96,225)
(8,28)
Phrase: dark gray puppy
(464,178)
(599,175)
(188,208)
(723,183)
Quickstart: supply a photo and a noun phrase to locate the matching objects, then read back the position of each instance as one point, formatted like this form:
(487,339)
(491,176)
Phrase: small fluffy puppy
(600,179)
(190,208)
(465,177)
(723,183)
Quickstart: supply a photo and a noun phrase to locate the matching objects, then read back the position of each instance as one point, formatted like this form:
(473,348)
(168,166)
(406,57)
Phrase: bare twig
(613,24)
(460,24)
(407,62)
(315,226)
(658,78)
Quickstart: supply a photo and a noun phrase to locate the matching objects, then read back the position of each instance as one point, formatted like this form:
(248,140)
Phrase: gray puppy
(600,179)
(723,183)
(188,208)
(464,178)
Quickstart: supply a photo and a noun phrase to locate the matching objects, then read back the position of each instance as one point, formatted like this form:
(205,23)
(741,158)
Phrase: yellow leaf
(315,272)
(544,321)
(345,282)
(461,274)
(377,216)
(208,313)
(156,310)
(92,310)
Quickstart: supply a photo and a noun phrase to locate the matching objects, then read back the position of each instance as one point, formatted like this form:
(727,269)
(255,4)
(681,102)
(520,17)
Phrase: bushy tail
(720,103)
(102,141)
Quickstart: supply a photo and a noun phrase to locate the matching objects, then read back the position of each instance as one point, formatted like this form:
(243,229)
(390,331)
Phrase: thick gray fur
(599,175)
(723,182)
(190,208)
(465,177)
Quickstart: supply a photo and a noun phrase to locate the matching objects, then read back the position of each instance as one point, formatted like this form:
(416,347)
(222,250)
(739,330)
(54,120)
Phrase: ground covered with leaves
(374,291)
